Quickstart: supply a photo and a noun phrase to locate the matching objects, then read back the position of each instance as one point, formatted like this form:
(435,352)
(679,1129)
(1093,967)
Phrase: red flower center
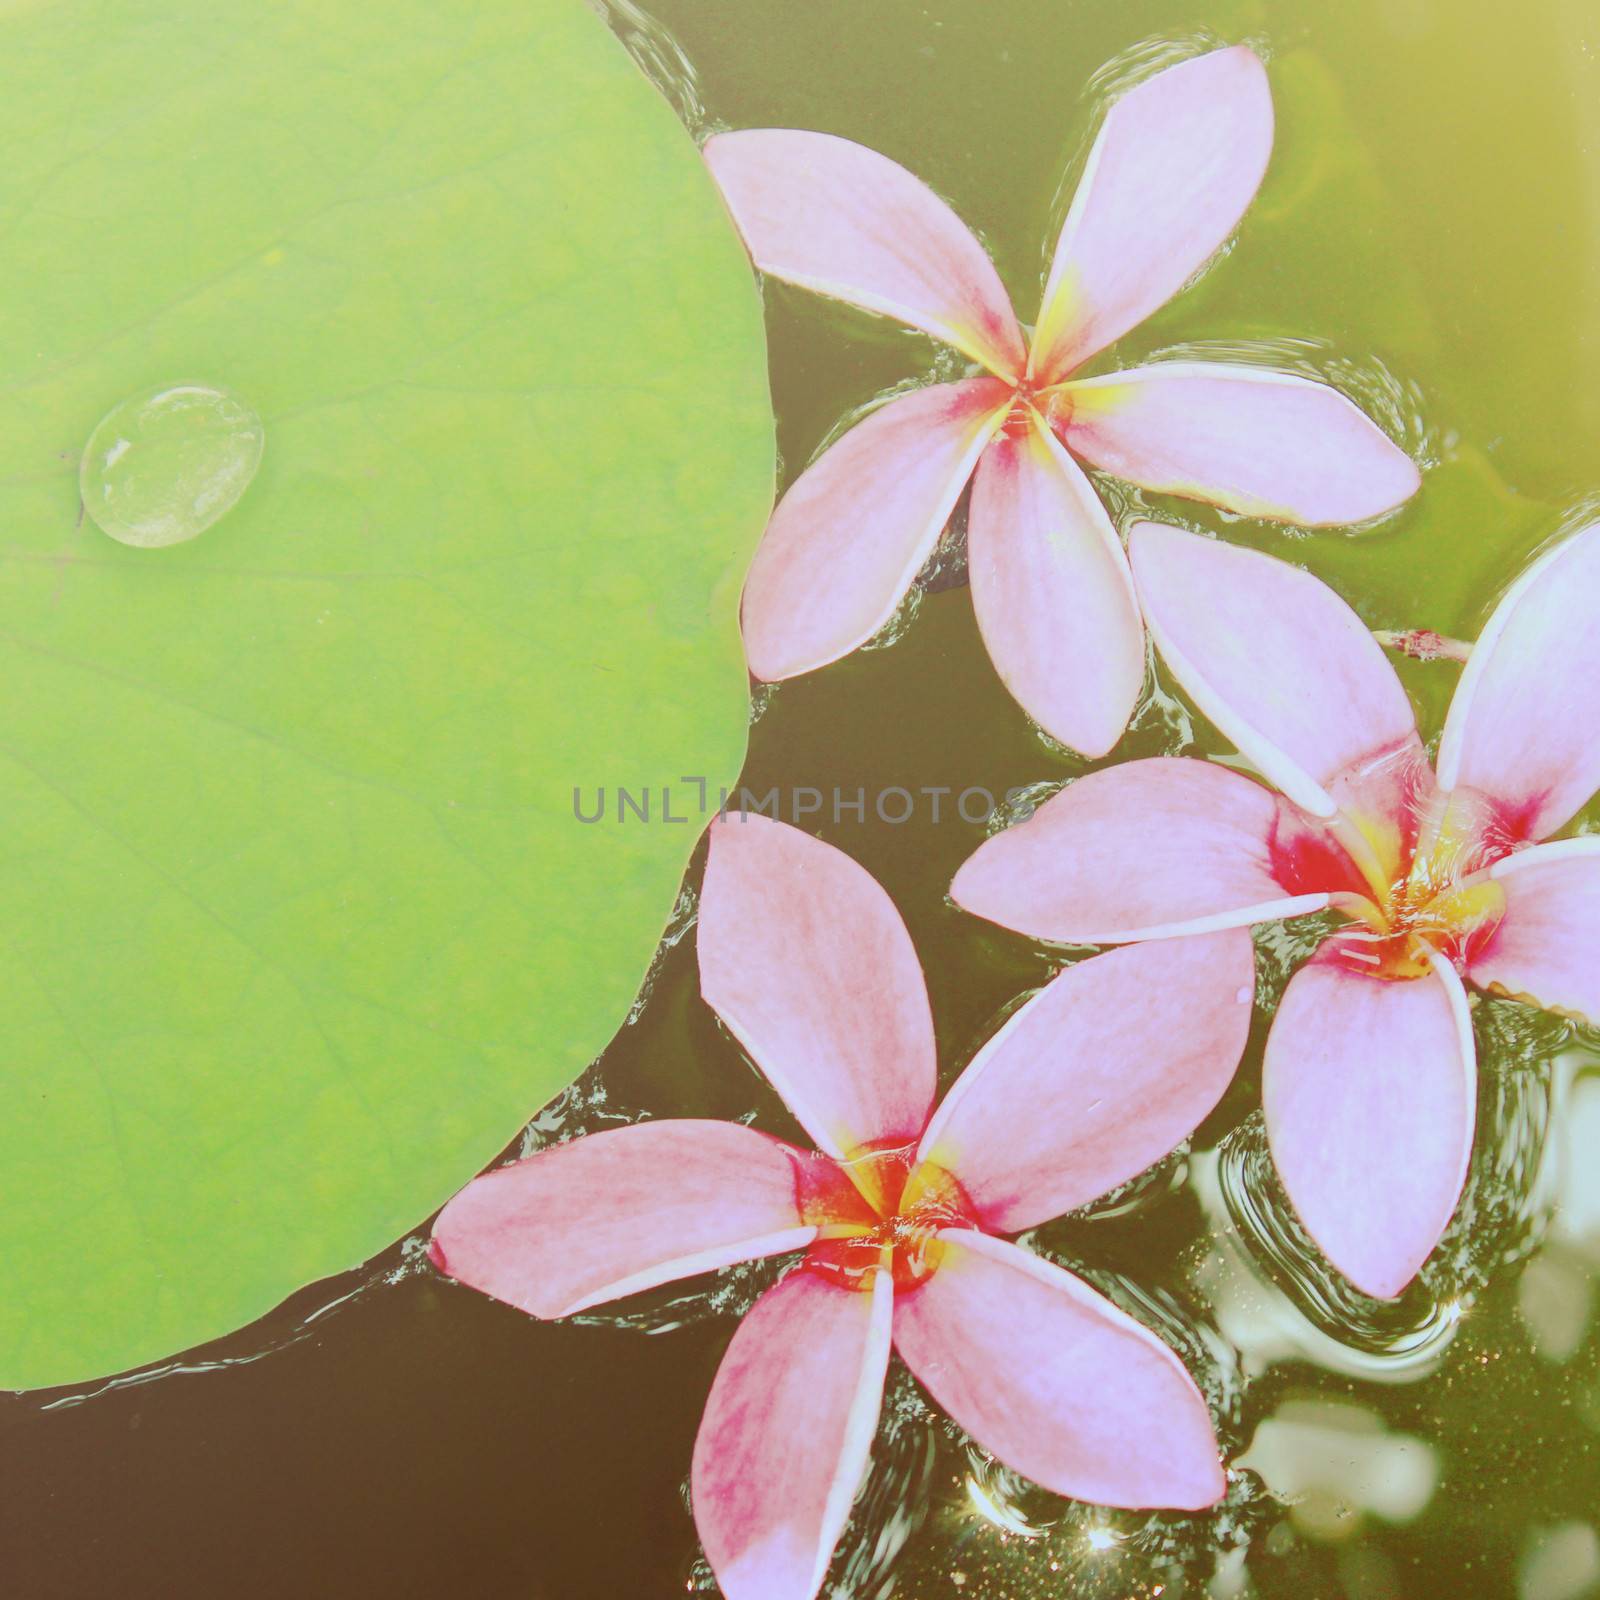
(1405,862)
(889,1217)
(1019,421)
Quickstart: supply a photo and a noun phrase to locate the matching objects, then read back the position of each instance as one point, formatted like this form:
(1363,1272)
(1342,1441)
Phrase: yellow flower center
(1427,886)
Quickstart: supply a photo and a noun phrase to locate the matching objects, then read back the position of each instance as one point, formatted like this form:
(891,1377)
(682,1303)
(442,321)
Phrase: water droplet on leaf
(166,463)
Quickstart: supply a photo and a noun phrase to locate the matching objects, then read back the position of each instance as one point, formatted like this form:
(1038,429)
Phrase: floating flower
(1370,1075)
(900,1210)
(1176,164)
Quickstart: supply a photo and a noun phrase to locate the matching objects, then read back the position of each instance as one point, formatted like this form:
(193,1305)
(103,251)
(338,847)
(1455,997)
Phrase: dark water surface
(1432,214)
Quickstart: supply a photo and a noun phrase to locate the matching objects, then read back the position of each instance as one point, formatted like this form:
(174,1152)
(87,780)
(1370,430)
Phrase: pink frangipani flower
(1174,167)
(900,1210)
(1370,1084)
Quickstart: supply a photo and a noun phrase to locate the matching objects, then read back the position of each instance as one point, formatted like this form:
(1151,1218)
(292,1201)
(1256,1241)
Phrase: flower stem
(1422,643)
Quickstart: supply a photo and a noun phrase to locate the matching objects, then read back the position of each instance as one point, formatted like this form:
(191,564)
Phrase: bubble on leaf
(166,463)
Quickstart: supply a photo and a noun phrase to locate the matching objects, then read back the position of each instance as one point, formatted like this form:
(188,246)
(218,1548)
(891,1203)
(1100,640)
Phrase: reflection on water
(1561,1563)
(1291,1298)
(660,57)
(1331,1462)
(1277,1299)
(1556,1292)
(298,1320)
(1394,403)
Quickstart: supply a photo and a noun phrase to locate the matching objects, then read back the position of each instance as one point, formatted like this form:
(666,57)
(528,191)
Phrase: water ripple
(1303,1306)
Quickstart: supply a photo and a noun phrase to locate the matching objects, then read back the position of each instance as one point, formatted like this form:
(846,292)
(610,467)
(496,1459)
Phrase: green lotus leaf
(298,922)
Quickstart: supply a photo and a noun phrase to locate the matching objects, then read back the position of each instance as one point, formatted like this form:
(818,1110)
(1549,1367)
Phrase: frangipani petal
(1370,1091)
(1177,161)
(1052,591)
(612,1213)
(1524,726)
(1544,949)
(839,218)
(856,526)
(1272,656)
(1056,1381)
(1264,444)
(1098,1076)
(1144,850)
(806,960)
(787,1434)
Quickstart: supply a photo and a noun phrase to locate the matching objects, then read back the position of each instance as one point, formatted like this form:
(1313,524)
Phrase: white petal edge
(771,1244)
(1467,1052)
(1539,855)
(862,1427)
(1288,777)
(1047,1272)
(1448,766)
(1300,905)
